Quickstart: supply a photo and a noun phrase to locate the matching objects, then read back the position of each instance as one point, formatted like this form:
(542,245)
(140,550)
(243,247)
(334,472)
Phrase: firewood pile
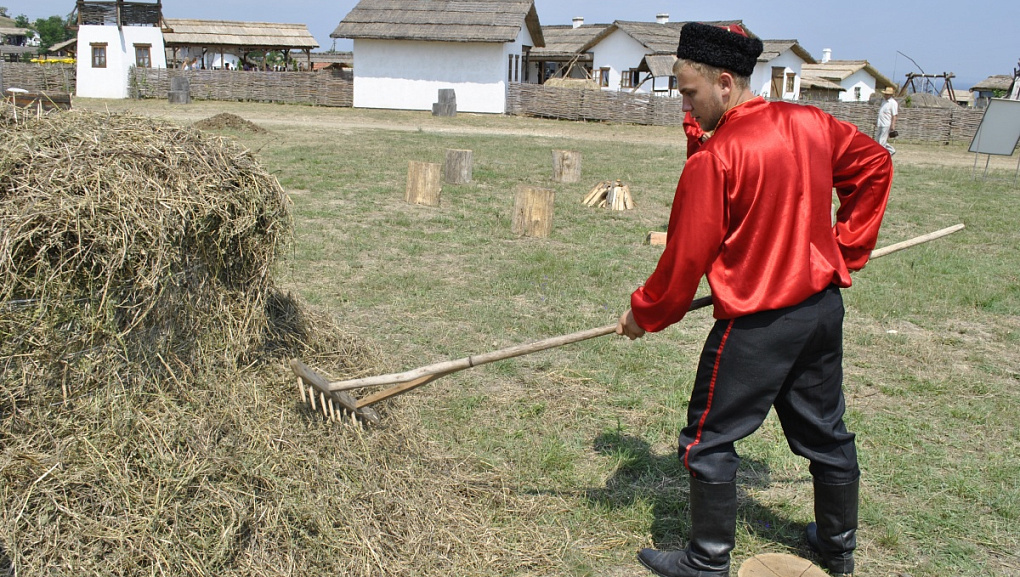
(610,194)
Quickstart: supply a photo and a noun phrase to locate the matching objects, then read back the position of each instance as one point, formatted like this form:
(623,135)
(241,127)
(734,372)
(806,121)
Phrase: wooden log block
(779,565)
(441,109)
(566,165)
(447,105)
(179,97)
(458,167)
(533,211)
(423,185)
(447,96)
(42,100)
(180,90)
(656,238)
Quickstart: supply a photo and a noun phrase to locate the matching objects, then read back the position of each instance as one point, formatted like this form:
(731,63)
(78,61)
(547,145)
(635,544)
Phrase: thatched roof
(817,83)
(776,48)
(658,64)
(265,35)
(67,45)
(839,70)
(13,31)
(993,83)
(565,42)
(20,50)
(657,38)
(345,58)
(495,21)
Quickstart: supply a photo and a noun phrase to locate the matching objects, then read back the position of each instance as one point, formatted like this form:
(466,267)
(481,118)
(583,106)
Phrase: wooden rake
(332,398)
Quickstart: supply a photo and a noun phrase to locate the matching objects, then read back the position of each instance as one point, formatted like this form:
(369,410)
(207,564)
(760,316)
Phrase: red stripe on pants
(711,392)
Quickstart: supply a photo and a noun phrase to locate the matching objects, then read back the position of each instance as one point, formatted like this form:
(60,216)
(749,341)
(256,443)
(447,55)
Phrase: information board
(999,131)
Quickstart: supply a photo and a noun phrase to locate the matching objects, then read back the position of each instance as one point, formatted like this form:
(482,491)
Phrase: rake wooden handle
(446,367)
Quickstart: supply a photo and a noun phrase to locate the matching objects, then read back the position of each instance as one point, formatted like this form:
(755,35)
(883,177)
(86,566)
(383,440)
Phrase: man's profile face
(702,98)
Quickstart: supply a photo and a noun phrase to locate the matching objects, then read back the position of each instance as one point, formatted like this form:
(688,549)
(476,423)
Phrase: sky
(972,40)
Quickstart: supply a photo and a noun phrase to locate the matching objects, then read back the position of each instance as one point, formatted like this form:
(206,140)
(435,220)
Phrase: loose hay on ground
(145,425)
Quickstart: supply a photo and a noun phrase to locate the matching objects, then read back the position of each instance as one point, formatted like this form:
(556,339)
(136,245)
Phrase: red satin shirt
(752,211)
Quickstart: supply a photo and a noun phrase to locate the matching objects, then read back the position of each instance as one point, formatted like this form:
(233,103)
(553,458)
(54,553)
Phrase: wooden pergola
(240,38)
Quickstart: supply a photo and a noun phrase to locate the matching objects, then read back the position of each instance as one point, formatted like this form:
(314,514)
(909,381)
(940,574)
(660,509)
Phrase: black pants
(791,359)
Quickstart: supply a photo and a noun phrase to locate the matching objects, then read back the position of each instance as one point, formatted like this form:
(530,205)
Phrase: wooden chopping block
(779,565)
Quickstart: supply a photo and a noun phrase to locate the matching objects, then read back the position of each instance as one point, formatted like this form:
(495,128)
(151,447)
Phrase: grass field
(563,462)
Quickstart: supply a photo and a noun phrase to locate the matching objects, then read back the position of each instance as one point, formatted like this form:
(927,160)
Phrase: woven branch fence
(38,77)
(321,88)
(917,124)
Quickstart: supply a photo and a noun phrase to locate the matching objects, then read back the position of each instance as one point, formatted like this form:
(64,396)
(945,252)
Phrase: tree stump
(180,90)
(779,565)
(458,166)
(533,211)
(566,165)
(447,105)
(423,183)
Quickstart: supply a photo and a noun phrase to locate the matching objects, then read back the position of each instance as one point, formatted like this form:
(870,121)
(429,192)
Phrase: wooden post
(447,105)
(180,90)
(458,166)
(566,165)
(423,183)
(533,211)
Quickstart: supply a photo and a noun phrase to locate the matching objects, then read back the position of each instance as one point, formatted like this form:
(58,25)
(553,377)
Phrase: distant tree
(21,21)
(52,30)
(3,12)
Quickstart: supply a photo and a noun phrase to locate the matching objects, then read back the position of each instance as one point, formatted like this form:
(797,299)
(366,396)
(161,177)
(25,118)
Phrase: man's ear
(726,84)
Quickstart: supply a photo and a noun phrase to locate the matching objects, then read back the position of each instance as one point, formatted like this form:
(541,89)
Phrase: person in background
(886,123)
(753,213)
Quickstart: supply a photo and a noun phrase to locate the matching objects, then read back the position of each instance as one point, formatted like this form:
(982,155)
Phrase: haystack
(126,240)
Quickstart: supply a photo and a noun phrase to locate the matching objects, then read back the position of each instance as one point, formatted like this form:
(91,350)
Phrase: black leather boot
(833,535)
(713,524)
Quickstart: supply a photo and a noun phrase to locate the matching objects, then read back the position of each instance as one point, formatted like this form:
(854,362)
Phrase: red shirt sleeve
(694,133)
(862,177)
(697,227)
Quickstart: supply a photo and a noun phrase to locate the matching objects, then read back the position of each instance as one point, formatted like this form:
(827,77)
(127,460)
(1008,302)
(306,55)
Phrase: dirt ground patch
(227,121)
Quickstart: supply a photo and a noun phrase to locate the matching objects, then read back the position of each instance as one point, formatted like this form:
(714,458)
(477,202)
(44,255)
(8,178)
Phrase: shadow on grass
(6,565)
(663,482)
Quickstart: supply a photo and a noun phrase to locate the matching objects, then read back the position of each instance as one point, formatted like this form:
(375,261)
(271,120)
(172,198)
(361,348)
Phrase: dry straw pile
(148,425)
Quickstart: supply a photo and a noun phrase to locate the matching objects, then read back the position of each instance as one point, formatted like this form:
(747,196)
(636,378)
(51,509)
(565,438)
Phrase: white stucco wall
(859,79)
(761,78)
(619,52)
(112,81)
(407,75)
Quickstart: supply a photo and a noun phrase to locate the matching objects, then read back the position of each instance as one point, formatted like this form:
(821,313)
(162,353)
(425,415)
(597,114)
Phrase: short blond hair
(711,73)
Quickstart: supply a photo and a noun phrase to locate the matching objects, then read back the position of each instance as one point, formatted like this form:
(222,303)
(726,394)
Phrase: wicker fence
(321,88)
(38,77)
(918,124)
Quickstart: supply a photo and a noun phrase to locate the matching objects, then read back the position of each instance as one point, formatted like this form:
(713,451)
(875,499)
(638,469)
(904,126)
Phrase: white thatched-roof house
(638,56)
(779,70)
(407,51)
(858,80)
(996,86)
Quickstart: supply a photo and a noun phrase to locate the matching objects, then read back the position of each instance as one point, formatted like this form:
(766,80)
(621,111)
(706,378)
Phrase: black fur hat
(718,47)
